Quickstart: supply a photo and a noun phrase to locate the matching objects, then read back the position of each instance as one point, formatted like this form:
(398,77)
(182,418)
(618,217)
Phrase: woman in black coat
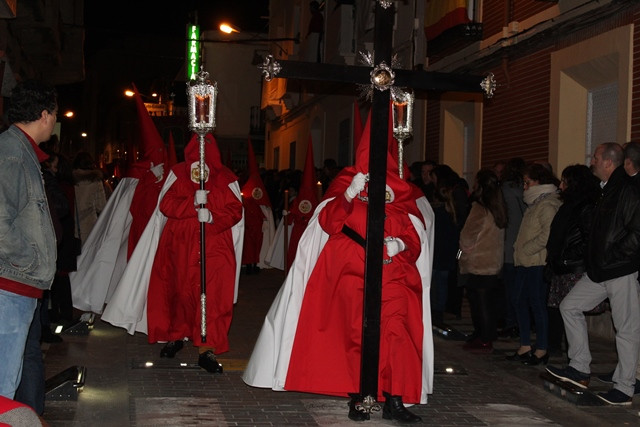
(566,247)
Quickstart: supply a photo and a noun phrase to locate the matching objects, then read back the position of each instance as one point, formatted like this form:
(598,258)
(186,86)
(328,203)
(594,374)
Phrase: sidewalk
(120,391)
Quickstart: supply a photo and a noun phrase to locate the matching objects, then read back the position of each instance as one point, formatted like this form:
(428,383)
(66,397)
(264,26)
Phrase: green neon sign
(193,51)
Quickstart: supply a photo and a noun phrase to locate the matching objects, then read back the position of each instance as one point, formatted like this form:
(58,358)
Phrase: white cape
(268,231)
(269,361)
(104,254)
(275,254)
(128,305)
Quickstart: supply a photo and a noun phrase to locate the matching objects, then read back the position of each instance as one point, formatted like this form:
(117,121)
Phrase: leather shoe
(209,363)
(354,413)
(534,360)
(520,357)
(394,409)
(171,348)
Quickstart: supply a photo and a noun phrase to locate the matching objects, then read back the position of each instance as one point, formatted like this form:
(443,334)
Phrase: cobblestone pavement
(483,390)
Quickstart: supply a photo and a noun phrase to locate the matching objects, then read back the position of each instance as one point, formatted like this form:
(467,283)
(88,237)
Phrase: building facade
(565,73)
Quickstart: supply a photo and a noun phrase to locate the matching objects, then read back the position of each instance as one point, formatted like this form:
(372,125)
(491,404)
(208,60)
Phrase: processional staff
(202,120)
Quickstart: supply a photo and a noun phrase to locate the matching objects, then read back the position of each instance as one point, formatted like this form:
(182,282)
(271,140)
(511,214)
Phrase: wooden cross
(377,160)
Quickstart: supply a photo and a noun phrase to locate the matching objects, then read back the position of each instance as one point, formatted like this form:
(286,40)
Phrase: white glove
(158,171)
(200,197)
(204,215)
(357,185)
(394,246)
(285,212)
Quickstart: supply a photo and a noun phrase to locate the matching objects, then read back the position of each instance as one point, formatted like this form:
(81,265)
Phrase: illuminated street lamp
(228,28)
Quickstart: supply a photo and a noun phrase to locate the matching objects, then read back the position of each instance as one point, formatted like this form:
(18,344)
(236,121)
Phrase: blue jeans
(31,388)
(530,292)
(16,313)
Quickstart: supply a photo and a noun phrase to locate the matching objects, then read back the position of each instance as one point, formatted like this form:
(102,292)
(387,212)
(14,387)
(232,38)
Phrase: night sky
(143,41)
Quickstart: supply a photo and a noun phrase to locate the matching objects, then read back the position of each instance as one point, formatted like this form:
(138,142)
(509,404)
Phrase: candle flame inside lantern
(202,108)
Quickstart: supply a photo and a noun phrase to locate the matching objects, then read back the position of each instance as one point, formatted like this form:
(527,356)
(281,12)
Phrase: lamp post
(202,95)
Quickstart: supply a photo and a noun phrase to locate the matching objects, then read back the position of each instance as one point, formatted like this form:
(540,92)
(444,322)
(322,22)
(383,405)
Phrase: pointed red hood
(307,198)
(172,157)
(151,143)
(254,187)
(401,189)
(211,152)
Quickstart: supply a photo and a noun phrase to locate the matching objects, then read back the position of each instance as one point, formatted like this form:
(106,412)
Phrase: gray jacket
(27,237)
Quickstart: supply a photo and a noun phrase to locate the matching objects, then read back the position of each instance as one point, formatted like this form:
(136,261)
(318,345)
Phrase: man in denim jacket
(27,237)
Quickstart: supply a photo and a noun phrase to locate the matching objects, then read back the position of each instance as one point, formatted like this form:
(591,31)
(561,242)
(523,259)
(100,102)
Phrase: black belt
(353,235)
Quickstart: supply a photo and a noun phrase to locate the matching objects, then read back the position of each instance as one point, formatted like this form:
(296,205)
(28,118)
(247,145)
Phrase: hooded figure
(149,171)
(297,218)
(110,244)
(159,293)
(258,226)
(321,300)
(303,205)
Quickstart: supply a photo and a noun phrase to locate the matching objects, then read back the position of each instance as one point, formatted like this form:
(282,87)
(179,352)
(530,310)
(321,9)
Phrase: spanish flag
(441,15)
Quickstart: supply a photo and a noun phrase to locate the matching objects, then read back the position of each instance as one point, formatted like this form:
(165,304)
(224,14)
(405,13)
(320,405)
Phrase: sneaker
(571,375)
(616,397)
(209,363)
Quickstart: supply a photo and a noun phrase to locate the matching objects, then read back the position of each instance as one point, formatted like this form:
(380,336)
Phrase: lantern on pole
(402,113)
(202,95)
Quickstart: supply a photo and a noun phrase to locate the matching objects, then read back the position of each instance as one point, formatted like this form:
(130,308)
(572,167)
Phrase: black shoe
(171,348)
(394,409)
(354,413)
(616,397)
(49,337)
(534,360)
(520,357)
(209,363)
(570,374)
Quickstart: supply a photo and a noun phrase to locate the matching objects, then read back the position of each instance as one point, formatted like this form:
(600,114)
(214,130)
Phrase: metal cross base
(570,392)
(82,327)
(446,331)
(66,385)
(368,405)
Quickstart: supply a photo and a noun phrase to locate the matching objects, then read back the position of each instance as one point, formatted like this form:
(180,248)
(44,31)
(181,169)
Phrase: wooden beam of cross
(384,15)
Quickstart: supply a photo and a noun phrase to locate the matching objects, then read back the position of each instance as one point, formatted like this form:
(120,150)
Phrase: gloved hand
(357,185)
(200,197)
(285,212)
(394,246)
(204,215)
(158,171)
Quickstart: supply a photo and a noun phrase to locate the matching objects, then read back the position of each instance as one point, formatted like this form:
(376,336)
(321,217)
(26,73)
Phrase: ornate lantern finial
(402,113)
(202,97)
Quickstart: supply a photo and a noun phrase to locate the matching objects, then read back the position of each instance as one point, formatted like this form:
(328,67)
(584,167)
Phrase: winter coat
(481,242)
(613,249)
(530,248)
(567,245)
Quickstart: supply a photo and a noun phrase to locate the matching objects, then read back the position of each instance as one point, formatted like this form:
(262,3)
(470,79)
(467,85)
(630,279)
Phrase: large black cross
(377,162)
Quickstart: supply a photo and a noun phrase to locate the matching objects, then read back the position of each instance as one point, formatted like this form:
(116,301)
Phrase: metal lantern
(402,113)
(202,97)
(202,120)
